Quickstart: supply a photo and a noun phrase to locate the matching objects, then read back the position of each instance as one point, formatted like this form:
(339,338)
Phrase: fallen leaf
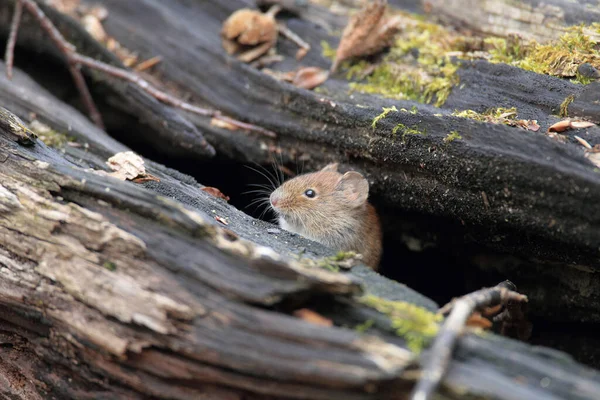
(312,317)
(560,126)
(249,34)
(581,124)
(148,178)
(129,166)
(94,27)
(565,124)
(477,321)
(368,32)
(594,157)
(583,142)
(310,77)
(221,220)
(149,63)
(223,124)
(532,125)
(215,192)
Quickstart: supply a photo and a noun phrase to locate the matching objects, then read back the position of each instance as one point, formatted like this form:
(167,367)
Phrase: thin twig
(162,96)
(9,55)
(151,62)
(68,50)
(76,60)
(290,35)
(436,365)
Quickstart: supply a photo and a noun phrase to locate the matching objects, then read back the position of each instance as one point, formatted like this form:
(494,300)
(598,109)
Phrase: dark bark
(108,290)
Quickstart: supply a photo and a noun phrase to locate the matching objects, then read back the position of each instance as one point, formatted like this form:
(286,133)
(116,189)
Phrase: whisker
(270,179)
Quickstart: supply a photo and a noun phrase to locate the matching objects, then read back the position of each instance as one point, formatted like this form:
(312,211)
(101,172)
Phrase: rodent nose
(274,200)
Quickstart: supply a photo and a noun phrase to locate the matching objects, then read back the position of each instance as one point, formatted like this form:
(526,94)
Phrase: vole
(331,208)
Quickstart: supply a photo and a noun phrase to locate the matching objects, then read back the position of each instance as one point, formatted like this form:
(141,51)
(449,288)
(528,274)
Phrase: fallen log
(111,290)
(184,328)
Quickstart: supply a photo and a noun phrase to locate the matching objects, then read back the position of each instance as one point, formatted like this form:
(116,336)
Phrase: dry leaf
(222,220)
(565,124)
(477,321)
(312,317)
(560,126)
(310,77)
(532,125)
(223,124)
(581,124)
(129,166)
(594,158)
(583,142)
(249,34)
(368,32)
(215,192)
(94,27)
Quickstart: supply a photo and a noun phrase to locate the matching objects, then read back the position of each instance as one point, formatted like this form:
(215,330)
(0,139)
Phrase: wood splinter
(435,366)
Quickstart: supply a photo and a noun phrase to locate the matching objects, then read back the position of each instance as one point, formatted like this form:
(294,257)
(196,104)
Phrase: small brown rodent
(331,208)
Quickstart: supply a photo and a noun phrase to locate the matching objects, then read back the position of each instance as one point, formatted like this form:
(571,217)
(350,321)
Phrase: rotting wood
(133,210)
(181,309)
(413,173)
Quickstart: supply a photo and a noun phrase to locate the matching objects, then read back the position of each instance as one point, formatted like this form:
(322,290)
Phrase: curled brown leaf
(249,34)
(565,124)
(367,33)
(310,77)
(560,126)
(215,192)
(129,166)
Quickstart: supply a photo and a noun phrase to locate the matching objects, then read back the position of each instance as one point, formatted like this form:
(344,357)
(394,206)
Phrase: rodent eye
(310,193)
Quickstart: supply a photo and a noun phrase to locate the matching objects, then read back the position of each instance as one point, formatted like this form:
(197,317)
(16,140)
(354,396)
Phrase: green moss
(558,58)
(365,326)
(342,260)
(386,111)
(416,68)
(413,323)
(454,135)
(109,265)
(407,130)
(343,256)
(327,51)
(496,115)
(49,136)
(564,106)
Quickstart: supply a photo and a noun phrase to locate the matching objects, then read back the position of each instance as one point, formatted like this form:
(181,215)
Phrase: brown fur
(339,216)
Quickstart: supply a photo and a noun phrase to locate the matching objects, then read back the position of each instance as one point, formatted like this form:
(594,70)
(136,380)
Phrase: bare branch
(76,60)
(68,50)
(9,55)
(436,365)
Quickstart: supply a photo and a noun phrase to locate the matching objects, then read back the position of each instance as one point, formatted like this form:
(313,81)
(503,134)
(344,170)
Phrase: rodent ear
(355,188)
(333,167)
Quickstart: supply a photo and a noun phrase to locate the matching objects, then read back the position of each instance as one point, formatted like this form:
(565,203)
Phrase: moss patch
(497,115)
(49,136)
(342,260)
(384,113)
(564,107)
(416,68)
(419,65)
(109,265)
(327,51)
(452,136)
(413,323)
(560,58)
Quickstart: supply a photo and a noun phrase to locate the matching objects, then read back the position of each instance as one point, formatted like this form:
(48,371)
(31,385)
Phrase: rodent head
(315,199)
